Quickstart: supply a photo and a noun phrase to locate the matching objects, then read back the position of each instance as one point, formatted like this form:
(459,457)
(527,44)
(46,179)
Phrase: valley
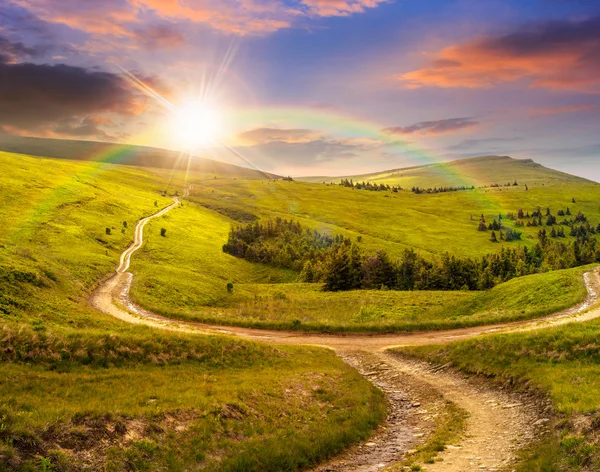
(198,347)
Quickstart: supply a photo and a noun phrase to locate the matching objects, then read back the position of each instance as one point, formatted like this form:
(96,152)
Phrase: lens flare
(196,124)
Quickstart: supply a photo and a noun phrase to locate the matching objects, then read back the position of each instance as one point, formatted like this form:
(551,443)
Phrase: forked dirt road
(499,423)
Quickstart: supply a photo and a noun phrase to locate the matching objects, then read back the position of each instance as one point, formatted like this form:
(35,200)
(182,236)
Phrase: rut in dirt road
(499,423)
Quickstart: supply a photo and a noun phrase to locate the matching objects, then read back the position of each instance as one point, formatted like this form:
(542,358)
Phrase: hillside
(80,390)
(115,153)
(478,171)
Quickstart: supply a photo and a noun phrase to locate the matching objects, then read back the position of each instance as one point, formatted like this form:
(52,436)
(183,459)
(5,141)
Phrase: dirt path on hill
(499,423)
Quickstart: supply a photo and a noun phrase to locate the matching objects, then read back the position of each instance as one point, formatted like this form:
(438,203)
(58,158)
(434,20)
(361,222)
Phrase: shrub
(163,232)
(229,287)
(108,231)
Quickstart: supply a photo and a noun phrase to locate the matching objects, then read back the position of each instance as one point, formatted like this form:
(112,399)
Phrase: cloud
(244,17)
(61,100)
(272,148)
(433,128)
(12,51)
(275,154)
(556,55)
(159,37)
(267,135)
(567,109)
(339,7)
(113,17)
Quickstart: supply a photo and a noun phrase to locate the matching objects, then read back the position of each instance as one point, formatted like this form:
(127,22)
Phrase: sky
(310,87)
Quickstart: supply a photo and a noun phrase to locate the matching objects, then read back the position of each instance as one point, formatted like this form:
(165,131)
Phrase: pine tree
(493,237)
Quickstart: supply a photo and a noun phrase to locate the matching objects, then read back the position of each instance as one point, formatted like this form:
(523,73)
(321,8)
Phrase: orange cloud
(558,55)
(120,18)
(339,7)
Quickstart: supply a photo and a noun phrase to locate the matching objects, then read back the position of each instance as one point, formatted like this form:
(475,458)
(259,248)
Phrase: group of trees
(514,184)
(279,242)
(419,190)
(341,264)
(579,226)
(368,186)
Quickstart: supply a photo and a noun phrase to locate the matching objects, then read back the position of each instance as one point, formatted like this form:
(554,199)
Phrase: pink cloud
(556,55)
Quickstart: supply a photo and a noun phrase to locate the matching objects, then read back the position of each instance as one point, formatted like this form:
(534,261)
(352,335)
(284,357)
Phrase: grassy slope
(191,284)
(393,221)
(119,154)
(70,377)
(479,171)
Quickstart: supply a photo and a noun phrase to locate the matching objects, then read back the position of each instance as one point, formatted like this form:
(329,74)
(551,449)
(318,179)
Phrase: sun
(196,125)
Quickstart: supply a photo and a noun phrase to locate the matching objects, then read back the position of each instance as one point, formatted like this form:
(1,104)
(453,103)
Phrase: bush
(108,231)
(163,232)
(229,287)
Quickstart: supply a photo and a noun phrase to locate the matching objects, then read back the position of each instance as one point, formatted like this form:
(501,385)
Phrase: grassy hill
(429,223)
(82,391)
(65,222)
(122,154)
(478,171)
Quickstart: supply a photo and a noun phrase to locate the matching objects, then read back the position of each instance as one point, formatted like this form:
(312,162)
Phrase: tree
(229,287)
(108,231)
(124,224)
(493,237)
(378,271)
(163,232)
(573,200)
(308,273)
(343,268)
(567,211)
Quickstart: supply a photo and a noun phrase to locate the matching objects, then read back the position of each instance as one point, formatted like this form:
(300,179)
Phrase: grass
(185,276)
(187,414)
(129,398)
(479,172)
(81,390)
(562,363)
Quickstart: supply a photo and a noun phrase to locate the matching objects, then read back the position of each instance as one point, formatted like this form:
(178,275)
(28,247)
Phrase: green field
(476,171)
(194,272)
(70,379)
(63,231)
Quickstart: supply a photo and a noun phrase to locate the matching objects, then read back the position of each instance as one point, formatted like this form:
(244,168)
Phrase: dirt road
(499,424)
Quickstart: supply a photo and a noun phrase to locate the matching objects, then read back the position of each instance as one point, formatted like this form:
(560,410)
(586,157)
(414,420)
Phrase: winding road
(499,423)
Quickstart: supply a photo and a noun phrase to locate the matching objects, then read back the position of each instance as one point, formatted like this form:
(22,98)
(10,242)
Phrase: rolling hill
(478,171)
(125,154)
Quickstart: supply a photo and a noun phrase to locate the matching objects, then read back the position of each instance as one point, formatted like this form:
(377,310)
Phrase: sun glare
(196,125)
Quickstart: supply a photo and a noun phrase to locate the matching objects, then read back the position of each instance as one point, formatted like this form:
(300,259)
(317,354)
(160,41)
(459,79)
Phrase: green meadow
(191,284)
(82,390)
(70,377)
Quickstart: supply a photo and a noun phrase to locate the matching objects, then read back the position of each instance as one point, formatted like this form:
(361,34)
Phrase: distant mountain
(477,171)
(120,154)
